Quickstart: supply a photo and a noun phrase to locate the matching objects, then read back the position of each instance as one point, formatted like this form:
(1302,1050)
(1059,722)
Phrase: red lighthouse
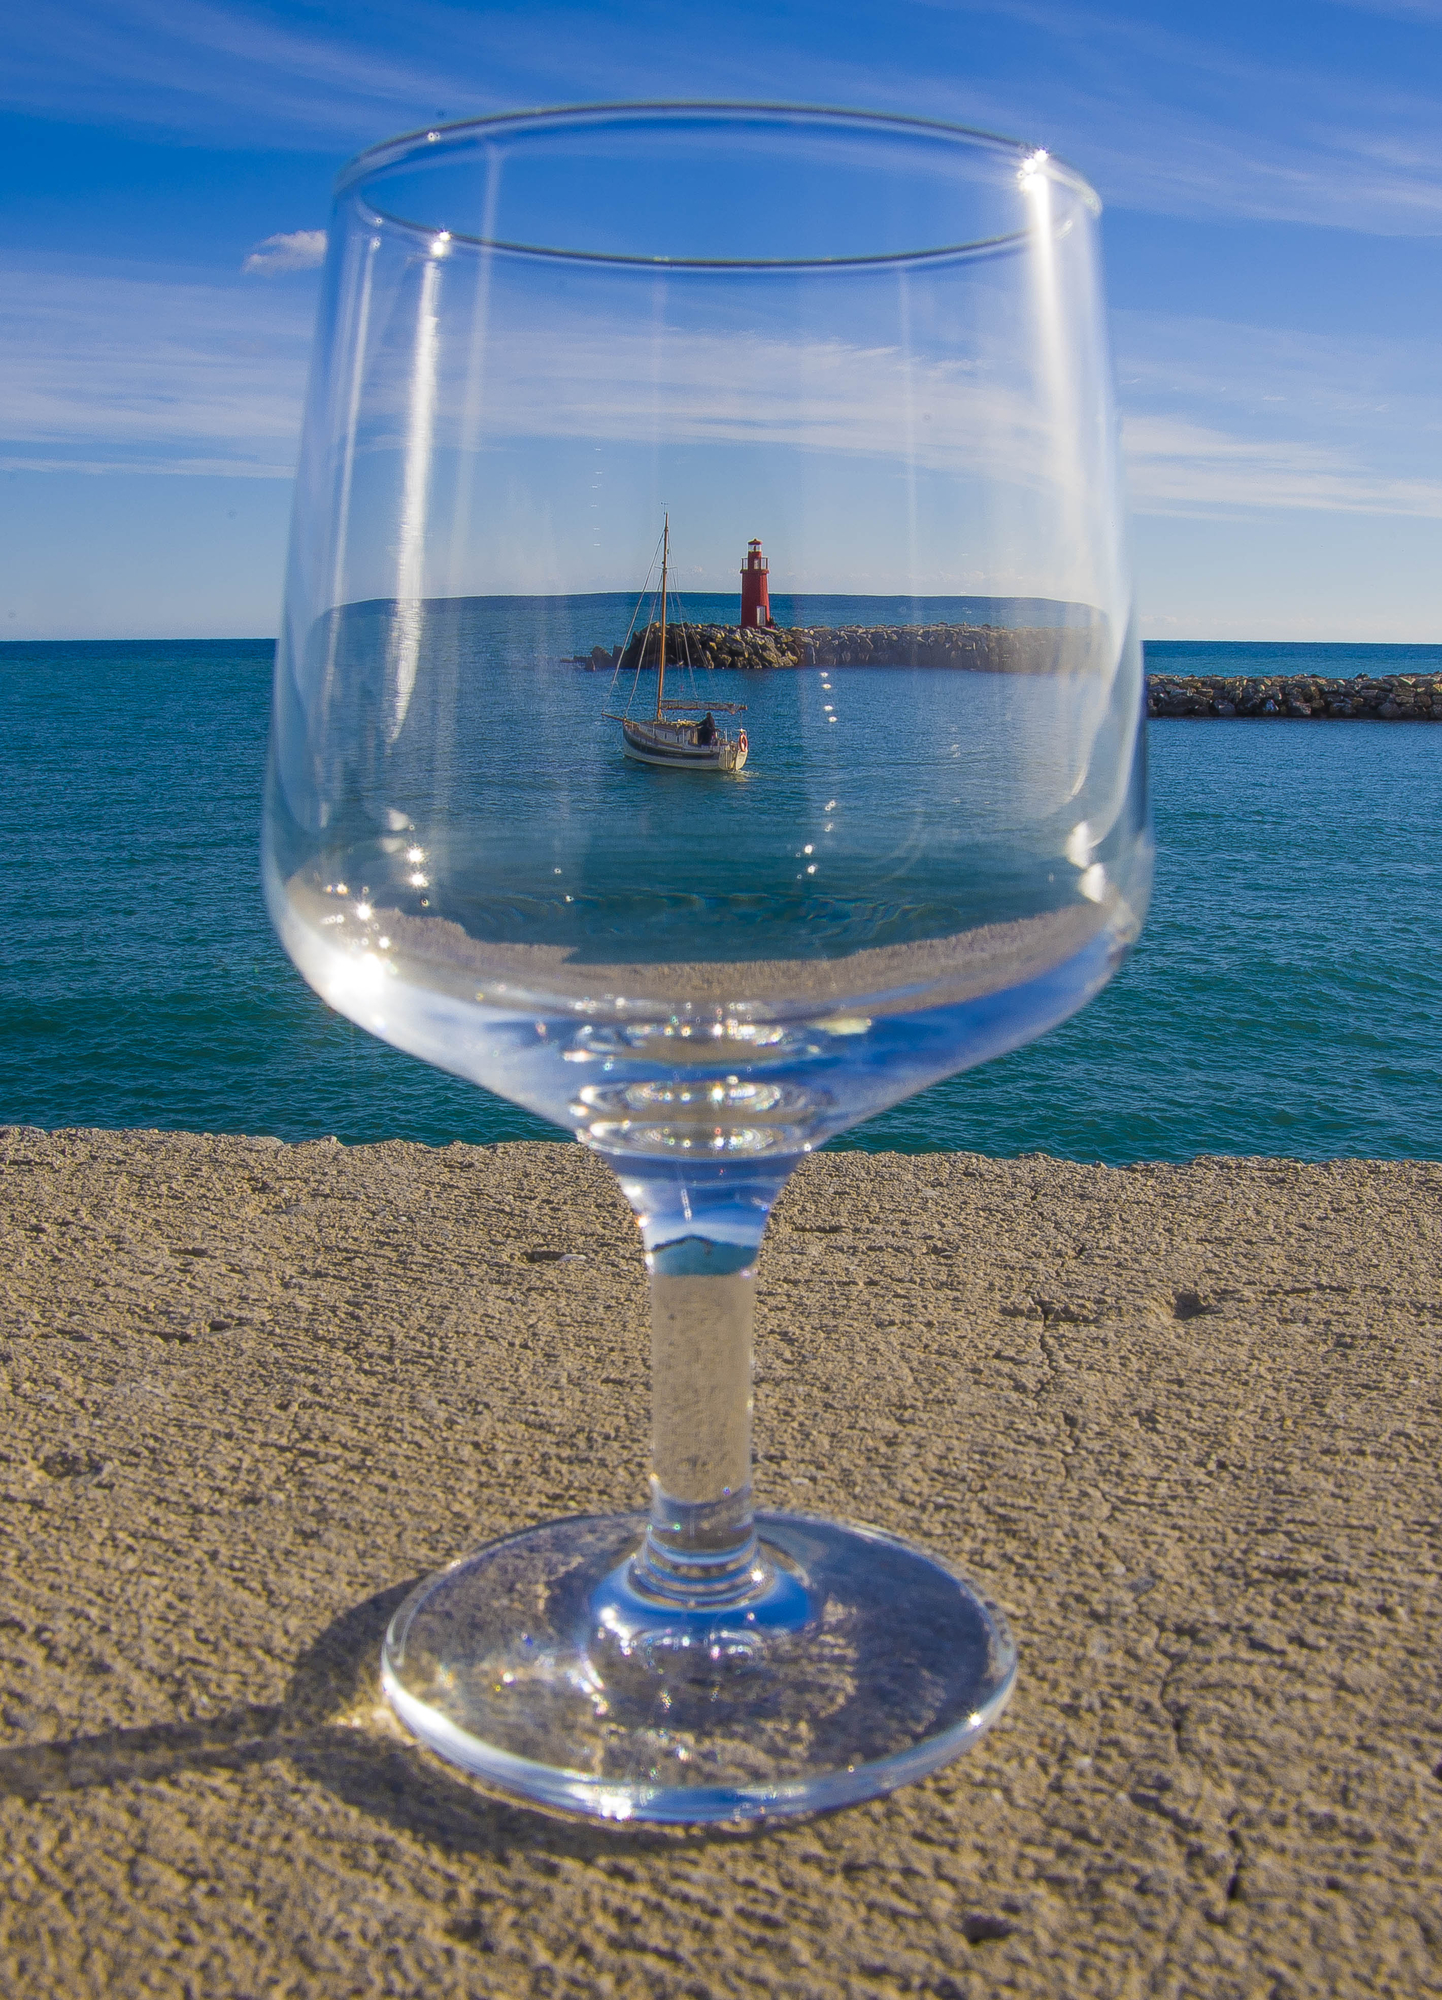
(755,587)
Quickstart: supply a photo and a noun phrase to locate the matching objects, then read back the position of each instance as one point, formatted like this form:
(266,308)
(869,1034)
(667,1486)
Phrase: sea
(1283,999)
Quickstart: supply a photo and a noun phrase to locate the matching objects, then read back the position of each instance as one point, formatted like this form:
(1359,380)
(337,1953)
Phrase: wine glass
(558,352)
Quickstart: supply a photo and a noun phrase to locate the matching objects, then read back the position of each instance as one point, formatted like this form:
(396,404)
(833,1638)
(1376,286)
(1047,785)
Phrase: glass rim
(415,146)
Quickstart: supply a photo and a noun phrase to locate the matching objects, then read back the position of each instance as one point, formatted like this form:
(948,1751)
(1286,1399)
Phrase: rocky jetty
(705,646)
(1026,650)
(980,648)
(1300,697)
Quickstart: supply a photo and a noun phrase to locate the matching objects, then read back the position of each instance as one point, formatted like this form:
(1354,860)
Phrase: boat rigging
(672,737)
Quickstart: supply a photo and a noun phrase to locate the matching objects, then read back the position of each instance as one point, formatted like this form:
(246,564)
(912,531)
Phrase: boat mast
(661,664)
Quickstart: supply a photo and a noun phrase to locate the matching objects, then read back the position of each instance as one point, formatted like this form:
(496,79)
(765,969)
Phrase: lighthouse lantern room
(755,588)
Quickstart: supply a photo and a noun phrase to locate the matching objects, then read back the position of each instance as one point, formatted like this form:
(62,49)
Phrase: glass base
(545,1667)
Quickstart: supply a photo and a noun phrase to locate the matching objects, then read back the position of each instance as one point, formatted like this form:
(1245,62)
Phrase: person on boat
(706,732)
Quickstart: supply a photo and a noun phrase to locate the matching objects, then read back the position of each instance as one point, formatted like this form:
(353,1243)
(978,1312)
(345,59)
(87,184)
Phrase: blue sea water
(1282,1000)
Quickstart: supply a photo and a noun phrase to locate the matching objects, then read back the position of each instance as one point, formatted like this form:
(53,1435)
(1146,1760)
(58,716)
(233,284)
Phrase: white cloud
(1227,418)
(120,370)
(169,466)
(211,69)
(1398,10)
(1192,124)
(113,371)
(1163,120)
(1178,467)
(298,250)
(603,379)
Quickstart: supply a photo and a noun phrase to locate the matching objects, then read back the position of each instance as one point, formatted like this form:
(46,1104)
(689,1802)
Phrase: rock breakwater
(1027,650)
(1300,697)
(977,648)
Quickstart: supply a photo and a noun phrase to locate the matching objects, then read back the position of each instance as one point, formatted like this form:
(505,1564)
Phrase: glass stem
(702,1225)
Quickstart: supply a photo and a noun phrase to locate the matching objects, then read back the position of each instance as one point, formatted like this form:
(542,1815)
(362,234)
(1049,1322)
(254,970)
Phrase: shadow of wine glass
(333,1726)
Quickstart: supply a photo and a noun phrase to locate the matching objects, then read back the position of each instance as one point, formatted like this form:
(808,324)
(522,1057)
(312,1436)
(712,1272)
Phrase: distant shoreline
(1157,651)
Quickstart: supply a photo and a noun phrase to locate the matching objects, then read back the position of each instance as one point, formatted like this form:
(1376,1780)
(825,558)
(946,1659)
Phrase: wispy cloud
(1180,468)
(111,371)
(231,74)
(297,250)
(1231,418)
(162,465)
(123,371)
(1163,119)
(1190,124)
(1427,11)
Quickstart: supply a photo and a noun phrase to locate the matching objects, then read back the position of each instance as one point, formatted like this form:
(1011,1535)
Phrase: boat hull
(673,746)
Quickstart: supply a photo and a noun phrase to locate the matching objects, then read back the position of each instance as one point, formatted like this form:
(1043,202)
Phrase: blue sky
(1272,177)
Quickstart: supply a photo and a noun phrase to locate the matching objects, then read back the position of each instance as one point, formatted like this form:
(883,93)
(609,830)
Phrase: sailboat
(680,741)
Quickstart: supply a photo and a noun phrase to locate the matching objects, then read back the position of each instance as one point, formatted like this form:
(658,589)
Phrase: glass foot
(544,1666)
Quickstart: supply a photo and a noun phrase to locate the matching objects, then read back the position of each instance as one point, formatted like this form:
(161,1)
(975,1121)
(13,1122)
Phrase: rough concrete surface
(1184,1423)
